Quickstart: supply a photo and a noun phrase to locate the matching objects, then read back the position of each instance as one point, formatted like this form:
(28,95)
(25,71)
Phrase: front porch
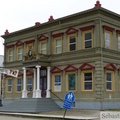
(41,83)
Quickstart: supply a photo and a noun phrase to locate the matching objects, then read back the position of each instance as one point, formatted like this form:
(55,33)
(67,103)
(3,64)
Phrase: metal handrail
(56,95)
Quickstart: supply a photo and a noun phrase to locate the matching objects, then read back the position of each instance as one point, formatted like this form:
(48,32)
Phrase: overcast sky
(19,14)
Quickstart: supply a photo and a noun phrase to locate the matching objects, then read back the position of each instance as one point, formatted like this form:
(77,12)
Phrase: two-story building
(78,53)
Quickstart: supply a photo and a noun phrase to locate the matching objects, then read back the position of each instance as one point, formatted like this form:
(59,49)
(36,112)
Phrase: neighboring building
(1,60)
(79,53)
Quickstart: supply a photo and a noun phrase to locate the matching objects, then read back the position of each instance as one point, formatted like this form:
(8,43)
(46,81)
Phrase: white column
(48,82)
(24,91)
(34,87)
(38,91)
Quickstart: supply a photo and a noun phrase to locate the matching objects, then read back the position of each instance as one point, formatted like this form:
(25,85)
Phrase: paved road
(6,117)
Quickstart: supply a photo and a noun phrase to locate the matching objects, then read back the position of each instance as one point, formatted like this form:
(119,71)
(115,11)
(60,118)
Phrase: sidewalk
(70,114)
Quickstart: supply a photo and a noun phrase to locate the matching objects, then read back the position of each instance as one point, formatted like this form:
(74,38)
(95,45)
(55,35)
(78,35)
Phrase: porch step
(31,105)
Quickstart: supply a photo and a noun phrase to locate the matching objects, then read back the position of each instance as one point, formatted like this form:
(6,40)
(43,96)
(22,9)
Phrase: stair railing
(56,96)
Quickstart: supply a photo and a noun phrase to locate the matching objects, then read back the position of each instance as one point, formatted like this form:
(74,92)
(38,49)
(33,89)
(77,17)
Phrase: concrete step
(31,105)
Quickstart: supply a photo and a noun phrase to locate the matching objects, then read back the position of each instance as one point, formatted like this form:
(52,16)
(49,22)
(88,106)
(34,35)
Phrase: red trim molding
(71,31)
(29,41)
(108,28)
(42,37)
(110,66)
(118,31)
(18,43)
(55,69)
(87,27)
(70,68)
(57,35)
(29,72)
(86,66)
(10,46)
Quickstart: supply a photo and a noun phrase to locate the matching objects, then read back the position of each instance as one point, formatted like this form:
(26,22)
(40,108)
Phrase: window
(58,45)
(29,84)
(9,85)
(118,42)
(71,81)
(10,55)
(87,80)
(109,80)
(108,36)
(43,47)
(87,39)
(56,78)
(19,84)
(19,53)
(72,43)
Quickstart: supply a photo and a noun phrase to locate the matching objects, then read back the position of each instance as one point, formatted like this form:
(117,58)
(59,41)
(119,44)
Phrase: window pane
(88,76)
(29,84)
(19,53)
(71,82)
(88,44)
(9,85)
(9,82)
(72,43)
(88,85)
(43,72)
(10,55)
(72,39)
(88,36)
(58,46)
(19,84)
(43,48)
(109,86)
(107,40)
(72,47)
(88,81)
(108,77)
(58,42)
(88,40)
(57,83)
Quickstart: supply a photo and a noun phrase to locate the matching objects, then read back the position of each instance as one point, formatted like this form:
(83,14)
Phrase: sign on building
(9,72)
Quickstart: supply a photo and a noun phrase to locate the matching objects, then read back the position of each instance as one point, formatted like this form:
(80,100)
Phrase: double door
(43,81)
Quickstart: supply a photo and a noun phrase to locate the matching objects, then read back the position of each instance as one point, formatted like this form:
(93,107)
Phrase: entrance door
(43,82)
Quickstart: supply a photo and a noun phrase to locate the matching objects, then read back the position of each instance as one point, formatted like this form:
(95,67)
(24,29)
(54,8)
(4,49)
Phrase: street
(6,117)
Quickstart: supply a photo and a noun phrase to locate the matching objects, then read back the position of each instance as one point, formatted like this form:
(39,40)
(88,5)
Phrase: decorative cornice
(57,35)
(71,31)
(87,27)
(55,69)
(86,66)
(110,66)
(70,68)
(108,28)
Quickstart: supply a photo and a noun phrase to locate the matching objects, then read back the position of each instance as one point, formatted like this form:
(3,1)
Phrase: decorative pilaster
(48,82)
(99,85)
(38,91)
(34,87)
(24,92)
